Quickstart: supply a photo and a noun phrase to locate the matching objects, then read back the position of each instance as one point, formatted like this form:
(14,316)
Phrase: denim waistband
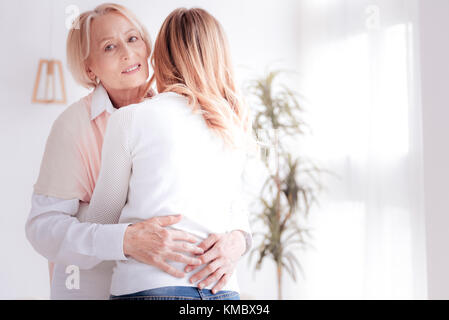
(178,293)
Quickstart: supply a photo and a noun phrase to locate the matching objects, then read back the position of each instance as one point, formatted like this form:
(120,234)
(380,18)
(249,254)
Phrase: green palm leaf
(292,184)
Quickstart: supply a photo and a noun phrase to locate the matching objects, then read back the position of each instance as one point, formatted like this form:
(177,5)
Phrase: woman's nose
(126,52)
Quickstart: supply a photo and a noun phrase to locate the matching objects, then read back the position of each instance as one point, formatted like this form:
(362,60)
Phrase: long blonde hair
(191,57)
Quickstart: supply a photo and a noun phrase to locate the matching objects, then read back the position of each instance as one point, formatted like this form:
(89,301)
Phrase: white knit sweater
(160,158)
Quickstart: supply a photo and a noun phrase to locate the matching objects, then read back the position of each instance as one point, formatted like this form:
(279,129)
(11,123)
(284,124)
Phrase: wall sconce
(49,95)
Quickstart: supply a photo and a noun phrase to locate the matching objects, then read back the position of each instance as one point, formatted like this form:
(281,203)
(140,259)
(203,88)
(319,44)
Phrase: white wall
(260,32)
(435,96)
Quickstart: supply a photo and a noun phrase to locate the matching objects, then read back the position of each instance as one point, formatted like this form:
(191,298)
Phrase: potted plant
(292,184)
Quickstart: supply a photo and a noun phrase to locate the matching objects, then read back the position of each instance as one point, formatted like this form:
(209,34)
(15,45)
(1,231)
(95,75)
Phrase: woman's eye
(133,39)
(109,47)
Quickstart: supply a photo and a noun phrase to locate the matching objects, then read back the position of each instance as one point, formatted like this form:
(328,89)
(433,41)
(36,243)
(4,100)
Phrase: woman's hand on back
(222,252)
(151,243)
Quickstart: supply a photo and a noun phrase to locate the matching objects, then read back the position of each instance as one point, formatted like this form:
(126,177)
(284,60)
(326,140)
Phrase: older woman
(108,50)
(186,149)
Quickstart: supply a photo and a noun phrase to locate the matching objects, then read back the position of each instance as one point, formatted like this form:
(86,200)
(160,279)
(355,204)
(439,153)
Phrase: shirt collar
(100,102)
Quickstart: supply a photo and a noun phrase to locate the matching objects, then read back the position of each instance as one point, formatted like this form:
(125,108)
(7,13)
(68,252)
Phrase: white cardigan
(159,158)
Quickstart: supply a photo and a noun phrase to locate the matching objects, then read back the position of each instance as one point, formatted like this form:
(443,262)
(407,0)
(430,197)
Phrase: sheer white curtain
(358,73)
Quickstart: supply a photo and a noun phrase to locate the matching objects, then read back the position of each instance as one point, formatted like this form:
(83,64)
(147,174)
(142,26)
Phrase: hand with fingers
(152,243)
(222,252)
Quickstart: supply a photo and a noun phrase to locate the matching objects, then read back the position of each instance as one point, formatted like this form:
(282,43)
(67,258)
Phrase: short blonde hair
(191,57)
(78,40)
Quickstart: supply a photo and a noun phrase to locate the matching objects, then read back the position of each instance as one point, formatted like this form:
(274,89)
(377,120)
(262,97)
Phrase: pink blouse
(72,157)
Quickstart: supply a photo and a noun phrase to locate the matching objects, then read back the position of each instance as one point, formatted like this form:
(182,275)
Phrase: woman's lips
(132,69)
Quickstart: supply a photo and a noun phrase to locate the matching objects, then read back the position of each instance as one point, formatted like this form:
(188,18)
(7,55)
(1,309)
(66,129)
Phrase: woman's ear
(90,74)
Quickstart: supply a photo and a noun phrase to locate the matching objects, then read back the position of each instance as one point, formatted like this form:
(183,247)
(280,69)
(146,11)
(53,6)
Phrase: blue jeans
(178,293)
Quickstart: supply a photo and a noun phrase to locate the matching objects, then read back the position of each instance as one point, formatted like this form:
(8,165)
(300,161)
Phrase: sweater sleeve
(111,190)
(55,233)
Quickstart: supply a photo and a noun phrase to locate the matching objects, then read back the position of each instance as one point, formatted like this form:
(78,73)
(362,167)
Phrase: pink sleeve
(62,173)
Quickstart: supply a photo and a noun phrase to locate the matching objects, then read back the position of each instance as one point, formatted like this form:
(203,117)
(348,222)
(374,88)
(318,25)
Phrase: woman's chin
(134,82)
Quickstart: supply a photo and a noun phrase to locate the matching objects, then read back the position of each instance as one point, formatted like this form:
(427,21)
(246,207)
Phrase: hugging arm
(55,233)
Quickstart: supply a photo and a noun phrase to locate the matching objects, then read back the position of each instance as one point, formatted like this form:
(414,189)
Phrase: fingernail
(201,286)
(188,269)
(214,291)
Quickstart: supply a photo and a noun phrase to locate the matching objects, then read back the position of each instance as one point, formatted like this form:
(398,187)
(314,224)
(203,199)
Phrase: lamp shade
(49,94)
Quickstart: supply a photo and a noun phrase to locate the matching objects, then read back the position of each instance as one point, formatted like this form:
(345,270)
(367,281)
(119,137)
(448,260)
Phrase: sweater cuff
(248,241)
(109,241)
